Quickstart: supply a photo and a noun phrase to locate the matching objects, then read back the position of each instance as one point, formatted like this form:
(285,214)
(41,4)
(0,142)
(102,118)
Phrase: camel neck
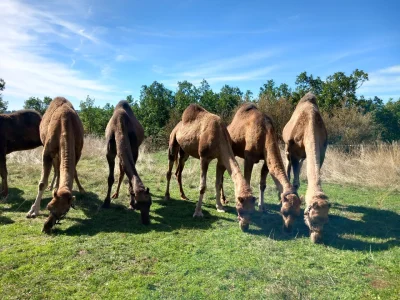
(137,183)
(274,162)
(313,153)
(242,188)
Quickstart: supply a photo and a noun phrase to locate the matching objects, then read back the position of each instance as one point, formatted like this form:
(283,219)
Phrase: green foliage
(229,99)
(3,104)
(94,118)
(186,94)
(208,99)
(387,118)
(154,107)
(38,104)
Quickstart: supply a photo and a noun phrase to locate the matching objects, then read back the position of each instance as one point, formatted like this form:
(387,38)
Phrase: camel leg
(263,185)
(120,179)
(46,169)
(248,168)
(223,197)
(111,165)
(181,164)
(171,159)
(56,176)
(218,186)
(203,186)
(3,173)
(80,187)
(296,172)
(288,165)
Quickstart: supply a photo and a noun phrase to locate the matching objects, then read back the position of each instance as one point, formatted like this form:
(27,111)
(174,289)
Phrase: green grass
(100,254)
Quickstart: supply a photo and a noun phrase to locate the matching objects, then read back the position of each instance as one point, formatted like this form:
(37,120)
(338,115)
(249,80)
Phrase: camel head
(290,209)
(245,208)
(141,200)
(316,216)
(58,206)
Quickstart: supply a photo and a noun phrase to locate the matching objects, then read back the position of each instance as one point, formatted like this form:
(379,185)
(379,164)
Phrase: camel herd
(200,134)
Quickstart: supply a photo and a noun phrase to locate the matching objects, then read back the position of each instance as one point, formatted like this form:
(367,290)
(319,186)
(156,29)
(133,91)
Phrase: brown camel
(254,139)
(61,133)
(204,136)
(18,131)
(305,136)
(124,135)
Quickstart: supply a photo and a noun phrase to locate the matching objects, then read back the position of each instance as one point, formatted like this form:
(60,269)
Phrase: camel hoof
(220,209)
(131,207)
(261,208)
(106,205)
(32,214)
(198,214)
(166,197)
(82,191)
(183,197)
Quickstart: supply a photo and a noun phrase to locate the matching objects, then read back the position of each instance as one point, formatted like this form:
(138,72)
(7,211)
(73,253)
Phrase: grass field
(103,254)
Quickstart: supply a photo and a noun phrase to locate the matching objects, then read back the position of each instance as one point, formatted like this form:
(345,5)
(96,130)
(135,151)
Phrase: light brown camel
(124,134)
(254,139)
(18,131)
(305,136)
(204,136)
(61,133)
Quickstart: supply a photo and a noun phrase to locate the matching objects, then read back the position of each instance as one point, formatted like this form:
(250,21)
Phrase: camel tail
(173,149)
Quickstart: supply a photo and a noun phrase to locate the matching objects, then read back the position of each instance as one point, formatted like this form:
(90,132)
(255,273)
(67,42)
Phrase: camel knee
(203,189)
(42,186)
(169,175)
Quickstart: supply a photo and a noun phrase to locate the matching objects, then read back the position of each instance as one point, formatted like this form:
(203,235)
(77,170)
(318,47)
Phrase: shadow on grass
(341,232)
(166,216)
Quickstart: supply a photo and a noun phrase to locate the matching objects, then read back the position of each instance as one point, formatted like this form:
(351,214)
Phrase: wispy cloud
(145,31)
(383,83)
(26,62)
(124,58)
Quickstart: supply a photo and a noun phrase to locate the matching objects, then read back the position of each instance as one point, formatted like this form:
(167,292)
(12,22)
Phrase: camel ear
(147,191)
(315,205)
(54,193)
(240,199)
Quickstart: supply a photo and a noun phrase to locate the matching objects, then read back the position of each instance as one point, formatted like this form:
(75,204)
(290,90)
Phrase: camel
(61,133)
(18,131)
(203,135)
(124,134)
(254,139)
(305,136)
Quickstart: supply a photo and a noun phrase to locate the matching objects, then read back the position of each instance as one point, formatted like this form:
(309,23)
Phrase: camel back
(192,112)
(123,104)
(309,97)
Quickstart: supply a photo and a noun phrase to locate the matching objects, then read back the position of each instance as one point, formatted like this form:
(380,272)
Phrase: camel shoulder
(193,112)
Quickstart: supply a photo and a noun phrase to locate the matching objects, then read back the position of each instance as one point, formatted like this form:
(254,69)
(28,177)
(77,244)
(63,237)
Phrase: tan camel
(305,136)
(61,133)
(204,136)
(124,135)
(18,131)
(254,139)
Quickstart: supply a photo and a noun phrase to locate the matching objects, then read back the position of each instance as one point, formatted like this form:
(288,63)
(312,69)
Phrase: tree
(186,94)
(3,104)
(229,98)
(248,96)
(207,98)
(130,100)
(37,104)
(387,118)
(154,107)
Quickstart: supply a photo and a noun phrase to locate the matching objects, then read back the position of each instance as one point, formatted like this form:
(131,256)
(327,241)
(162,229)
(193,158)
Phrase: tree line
(349,119)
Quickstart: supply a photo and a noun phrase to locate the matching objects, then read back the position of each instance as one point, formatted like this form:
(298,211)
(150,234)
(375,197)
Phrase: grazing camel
(124,134)
(204,136)
(254,139)
(61,133)
(305,136)
(18,131)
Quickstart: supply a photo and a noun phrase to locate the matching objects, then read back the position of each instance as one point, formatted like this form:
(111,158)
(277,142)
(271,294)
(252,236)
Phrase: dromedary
(305,136)
(18,131)
(254,139)
(124,135)
(61,133)
(204,136)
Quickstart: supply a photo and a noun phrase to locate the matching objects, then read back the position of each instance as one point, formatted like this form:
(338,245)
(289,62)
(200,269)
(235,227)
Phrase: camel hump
(249,107)
(192,112)
(309,97)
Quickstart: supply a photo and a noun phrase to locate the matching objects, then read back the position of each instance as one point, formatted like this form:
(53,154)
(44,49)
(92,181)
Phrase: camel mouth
(316,236)
(48,225)
(244,223)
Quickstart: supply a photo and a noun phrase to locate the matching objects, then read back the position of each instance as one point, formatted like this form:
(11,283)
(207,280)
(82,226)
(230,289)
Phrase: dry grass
(369,165)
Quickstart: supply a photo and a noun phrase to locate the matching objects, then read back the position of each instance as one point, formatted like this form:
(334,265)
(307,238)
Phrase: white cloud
(26,57)
(391,70)
(383,83)
(124,58)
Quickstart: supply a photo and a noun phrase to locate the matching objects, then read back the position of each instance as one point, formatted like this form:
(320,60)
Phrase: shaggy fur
(204,136)
(61,133)
(18,131)
(254,139)
(305,136)
(124,134)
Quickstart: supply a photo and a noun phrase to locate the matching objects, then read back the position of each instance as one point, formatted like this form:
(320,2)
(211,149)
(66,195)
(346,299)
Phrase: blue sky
(109,49)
